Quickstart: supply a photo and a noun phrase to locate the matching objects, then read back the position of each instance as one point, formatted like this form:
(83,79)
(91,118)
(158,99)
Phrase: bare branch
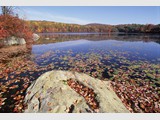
(7,10)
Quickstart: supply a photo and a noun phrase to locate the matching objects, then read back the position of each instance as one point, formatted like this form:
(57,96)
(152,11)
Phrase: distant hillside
(49,26)
(95,24)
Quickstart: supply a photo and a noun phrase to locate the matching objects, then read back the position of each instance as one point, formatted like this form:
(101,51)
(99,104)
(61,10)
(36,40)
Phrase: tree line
(47,26)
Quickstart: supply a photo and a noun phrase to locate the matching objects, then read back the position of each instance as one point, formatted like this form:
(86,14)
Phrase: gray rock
(35,37)
(18,41)
(50,93)
(21,41)
(14,41)
(47,38)
(11,41)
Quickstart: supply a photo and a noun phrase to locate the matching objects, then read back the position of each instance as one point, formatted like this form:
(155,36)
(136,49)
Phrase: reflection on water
(138,47)
(47,38)
(131,62)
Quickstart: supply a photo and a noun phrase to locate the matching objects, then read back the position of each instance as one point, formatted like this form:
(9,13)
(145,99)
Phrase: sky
(93,14)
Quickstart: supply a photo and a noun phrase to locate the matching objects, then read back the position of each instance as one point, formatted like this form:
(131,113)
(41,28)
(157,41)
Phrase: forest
(48,26)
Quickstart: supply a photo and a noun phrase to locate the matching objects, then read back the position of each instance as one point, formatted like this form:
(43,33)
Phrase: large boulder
(35,37)
(14,41)
(17,41)
(21,41)
(51,93)
(11,41)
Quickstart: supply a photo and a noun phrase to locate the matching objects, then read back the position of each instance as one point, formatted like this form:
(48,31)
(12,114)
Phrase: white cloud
(36,15)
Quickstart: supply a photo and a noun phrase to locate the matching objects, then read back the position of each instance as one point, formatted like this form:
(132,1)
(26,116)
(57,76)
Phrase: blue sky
(93,14)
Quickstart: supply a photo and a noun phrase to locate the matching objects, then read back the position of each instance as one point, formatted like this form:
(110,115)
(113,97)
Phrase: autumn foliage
(47,26)
(13,26)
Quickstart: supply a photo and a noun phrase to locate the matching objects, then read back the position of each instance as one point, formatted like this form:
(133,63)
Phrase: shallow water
(102,56)
(137,50)
(98,53)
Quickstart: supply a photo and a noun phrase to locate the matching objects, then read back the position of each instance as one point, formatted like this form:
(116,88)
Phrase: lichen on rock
(51,92)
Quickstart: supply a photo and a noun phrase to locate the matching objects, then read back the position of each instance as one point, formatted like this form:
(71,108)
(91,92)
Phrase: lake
(126,60)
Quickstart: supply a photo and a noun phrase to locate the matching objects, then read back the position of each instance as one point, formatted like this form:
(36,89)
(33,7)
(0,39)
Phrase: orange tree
(13,26)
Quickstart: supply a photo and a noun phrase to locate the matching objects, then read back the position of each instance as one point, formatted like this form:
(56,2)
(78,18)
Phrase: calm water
(102,56)
(97,54)
(131,47)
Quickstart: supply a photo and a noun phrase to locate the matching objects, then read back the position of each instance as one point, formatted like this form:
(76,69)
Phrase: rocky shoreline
(17,41)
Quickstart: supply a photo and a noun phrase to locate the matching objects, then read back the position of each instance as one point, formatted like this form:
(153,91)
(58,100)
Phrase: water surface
(125,59)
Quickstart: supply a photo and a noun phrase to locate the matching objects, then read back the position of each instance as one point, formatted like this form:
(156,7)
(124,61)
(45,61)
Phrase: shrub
(3,32)
(13,26)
